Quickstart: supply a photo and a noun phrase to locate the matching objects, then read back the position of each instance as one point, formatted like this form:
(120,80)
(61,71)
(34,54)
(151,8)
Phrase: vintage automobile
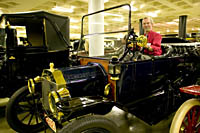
(28,43)
(75,99)
(187,116)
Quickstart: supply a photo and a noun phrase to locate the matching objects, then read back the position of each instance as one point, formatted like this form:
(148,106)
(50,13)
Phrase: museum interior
(77,66)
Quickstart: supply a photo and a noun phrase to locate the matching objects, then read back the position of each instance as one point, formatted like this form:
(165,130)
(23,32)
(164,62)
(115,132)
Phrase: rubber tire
(181,113)
(90,123)
(12,114)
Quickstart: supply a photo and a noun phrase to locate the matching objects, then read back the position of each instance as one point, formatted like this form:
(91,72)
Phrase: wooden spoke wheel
(187,118)
(22,112)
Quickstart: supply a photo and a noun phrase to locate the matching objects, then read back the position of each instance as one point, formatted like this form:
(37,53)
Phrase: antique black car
(28,43)
(74,99)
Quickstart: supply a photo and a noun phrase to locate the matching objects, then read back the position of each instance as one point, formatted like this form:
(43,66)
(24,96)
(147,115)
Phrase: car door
(134,80)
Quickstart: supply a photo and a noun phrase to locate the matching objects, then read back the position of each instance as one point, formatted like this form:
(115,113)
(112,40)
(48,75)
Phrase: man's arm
(156,44)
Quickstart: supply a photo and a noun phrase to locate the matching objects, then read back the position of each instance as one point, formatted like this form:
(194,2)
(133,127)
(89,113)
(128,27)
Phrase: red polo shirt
(155,40)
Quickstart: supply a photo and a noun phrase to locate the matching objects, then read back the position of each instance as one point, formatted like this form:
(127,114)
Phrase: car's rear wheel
(187,118)
(22,112)
(91,124)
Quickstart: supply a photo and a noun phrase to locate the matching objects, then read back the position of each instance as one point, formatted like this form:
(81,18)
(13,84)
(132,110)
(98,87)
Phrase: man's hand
(149,48)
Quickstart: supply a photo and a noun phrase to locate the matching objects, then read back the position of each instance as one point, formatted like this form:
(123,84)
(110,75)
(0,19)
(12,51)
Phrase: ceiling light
(168,30)
(106,1)
(132,8)
(152,14)
(175,30)
(118,19)
(63,9)
(132,3)
(175,23)
(141,6)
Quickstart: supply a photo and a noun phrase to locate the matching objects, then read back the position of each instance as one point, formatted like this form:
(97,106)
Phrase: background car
(29,42)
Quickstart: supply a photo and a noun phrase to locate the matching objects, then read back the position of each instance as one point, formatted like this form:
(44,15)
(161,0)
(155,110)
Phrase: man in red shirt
(152,37)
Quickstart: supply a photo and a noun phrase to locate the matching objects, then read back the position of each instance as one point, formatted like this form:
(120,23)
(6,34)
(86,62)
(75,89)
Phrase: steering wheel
(142,41)
(134,45)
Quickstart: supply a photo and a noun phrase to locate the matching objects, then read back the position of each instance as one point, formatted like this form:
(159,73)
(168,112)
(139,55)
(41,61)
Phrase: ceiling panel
(168,12)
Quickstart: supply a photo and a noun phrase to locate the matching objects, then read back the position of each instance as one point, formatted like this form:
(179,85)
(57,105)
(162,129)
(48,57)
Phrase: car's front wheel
(22,112)
(187,118)
(91,124)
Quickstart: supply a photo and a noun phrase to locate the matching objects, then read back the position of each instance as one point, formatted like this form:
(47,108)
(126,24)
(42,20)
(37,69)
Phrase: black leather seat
(166,51)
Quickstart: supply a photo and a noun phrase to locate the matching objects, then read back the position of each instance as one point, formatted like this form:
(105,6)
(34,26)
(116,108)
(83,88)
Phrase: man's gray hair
(149,19)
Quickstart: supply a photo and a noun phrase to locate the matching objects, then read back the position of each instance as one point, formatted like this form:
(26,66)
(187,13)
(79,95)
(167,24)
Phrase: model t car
(74,99)
(28,42)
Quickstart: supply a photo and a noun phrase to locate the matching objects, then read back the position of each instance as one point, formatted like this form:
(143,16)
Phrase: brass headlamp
(56,97)
(31,83)
(114,68)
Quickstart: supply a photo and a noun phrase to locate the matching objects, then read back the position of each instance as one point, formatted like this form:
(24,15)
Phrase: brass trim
(107,89)
(63,92)
(53,108)
(60,114)
(12,58)
(114,78)
(51,65)
(58,76)
(37,79)
(31,86)
(55,96)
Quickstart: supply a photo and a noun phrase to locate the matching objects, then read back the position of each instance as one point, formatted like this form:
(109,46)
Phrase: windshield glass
(98,31)
(2,37)
(2,33)
(21,35)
